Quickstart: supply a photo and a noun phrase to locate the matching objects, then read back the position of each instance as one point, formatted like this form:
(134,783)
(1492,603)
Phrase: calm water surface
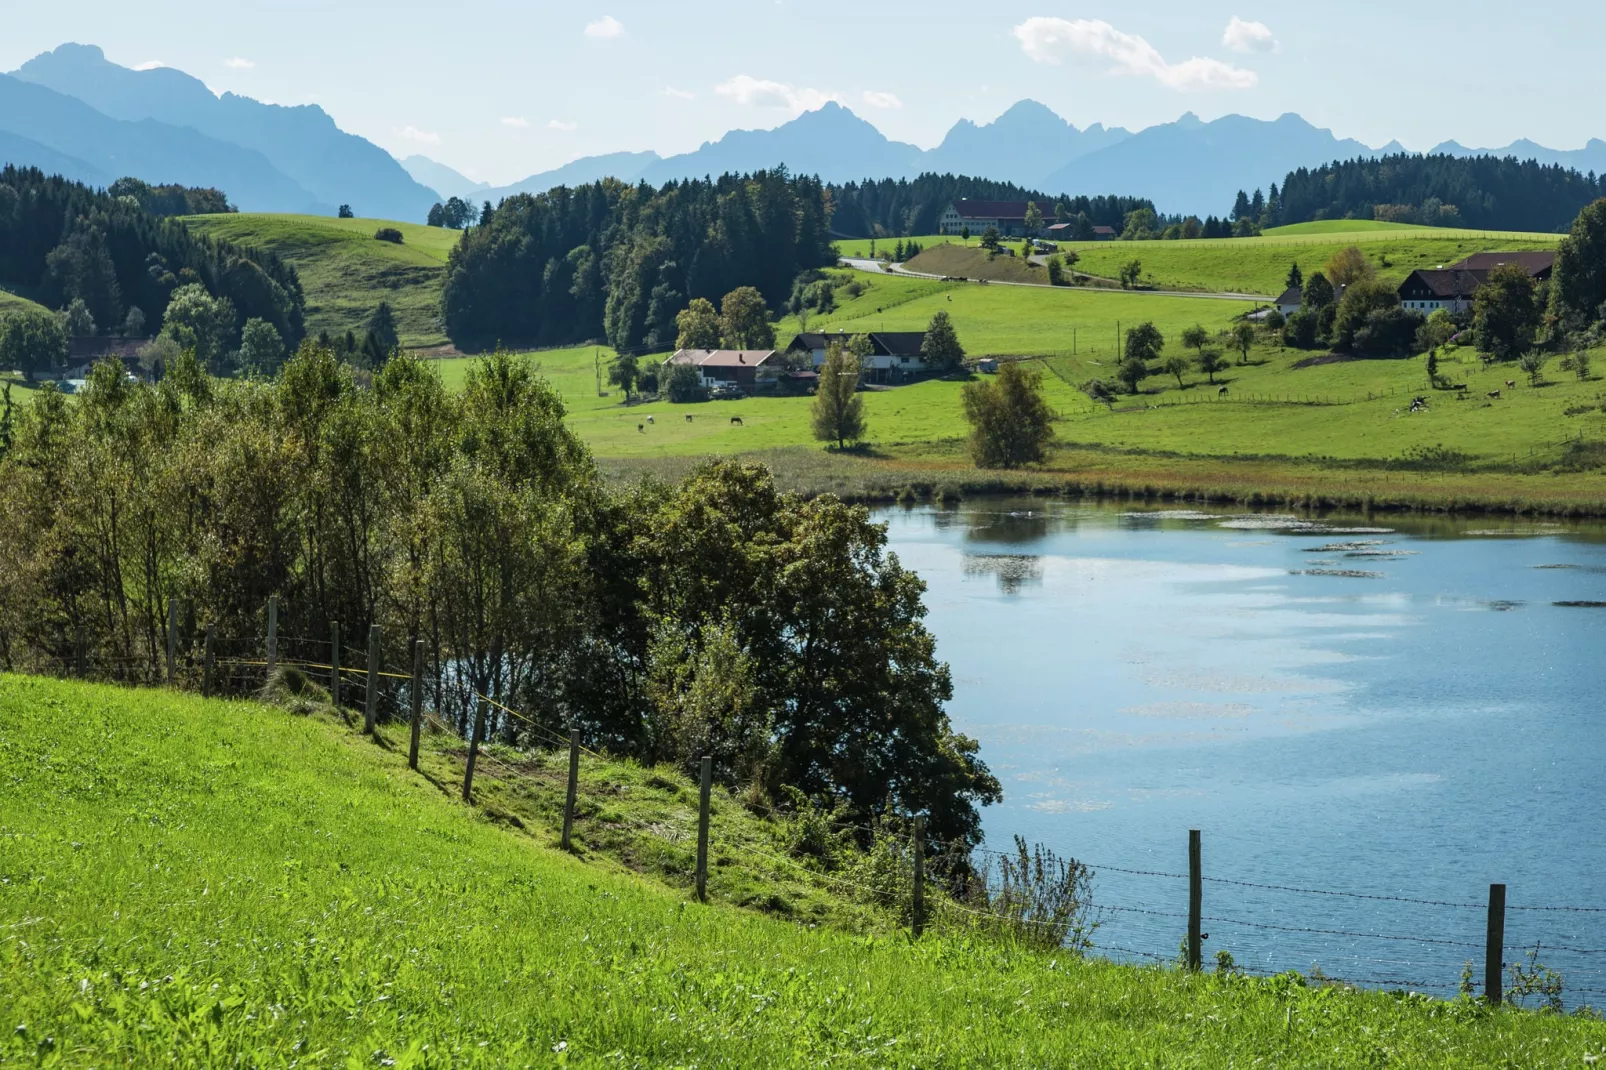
(1380,706)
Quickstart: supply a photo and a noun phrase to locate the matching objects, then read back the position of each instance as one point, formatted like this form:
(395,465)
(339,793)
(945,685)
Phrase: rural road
(879,267)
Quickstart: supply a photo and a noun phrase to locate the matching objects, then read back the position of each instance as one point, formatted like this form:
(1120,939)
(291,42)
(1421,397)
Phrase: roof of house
(991,209)
(1059,227)
(721,358)
(1291,296)
(1445,282)
(882,343)
(1534,262)
(1103,230)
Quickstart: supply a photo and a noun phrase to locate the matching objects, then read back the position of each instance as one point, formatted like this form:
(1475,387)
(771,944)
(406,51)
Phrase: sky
(501,89)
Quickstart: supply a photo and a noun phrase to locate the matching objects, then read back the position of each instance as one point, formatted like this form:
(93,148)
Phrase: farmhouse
(1293,299)
(1452,288)
(894,355)
(1009,217)
(749,369)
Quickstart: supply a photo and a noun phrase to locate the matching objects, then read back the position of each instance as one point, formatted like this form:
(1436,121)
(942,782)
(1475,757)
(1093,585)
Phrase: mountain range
(72,111)
(163,125)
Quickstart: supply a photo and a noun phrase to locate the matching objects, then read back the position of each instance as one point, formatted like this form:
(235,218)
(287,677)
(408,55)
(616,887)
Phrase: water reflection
(1013,571)
(1320,695)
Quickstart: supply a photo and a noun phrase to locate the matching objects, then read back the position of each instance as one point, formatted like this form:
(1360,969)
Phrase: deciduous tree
(1010,422)
(1505,313)
(744,320)
(1348,266)
(941,347)
(837,414)
(32,342)
(1243,337)
(697,325)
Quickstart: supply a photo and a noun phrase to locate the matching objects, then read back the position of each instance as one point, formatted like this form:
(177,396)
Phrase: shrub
(684,384)
(1300,330)
(1038,897)
(390,234)
(1389,332)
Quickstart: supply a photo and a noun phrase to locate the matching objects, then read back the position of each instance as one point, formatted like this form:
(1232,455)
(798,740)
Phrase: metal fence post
(208,661)
(702,829)
(273,633)
(1493,960)
(1195,900)
(334,663)
(917,916)
(418,702)
(574,784)
(371,708)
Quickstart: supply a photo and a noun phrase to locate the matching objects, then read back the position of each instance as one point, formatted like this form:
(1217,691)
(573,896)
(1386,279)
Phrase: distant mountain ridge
(89,146)
(302,143)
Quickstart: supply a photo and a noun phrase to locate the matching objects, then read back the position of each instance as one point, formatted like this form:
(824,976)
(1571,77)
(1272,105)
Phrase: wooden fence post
(334,663)
(702,829)
(371,708)
(473,750)
(1195,900)
(418,702)
(172,638)
(80,660)
(1493,960)
(273,633)
(574,784)
(208,661)
(917,916)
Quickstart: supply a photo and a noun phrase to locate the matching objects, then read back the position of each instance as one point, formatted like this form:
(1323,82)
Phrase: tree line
(609,260)
(716,616)
(1481,192)
(63,243)
(902,207)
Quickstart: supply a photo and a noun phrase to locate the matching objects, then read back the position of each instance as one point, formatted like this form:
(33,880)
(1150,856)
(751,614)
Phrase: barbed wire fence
(1146,921)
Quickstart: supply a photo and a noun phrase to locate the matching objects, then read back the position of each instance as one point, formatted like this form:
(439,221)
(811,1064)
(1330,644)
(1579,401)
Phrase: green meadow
(345,272)
(206,883)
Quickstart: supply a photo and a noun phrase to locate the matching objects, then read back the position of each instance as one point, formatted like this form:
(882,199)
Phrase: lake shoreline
(899,474)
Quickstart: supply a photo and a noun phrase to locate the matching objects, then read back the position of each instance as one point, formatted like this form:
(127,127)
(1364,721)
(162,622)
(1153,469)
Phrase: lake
(1390,707)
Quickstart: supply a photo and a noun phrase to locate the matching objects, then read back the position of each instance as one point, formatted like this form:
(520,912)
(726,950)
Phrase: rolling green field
(10,302)
(204,883)
(345,272)
(860,247)
(1260,265)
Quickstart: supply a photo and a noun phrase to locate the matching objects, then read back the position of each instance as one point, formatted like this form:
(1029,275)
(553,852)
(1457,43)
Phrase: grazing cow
(1494,393)
(649,419)
(1419,404)
(642,428)
(688,417)
(736,421)
(1221,393)
(1511,384)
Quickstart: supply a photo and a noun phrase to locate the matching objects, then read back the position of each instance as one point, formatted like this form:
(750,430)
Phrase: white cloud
(1242,36)
(607,26)
(876,99)
(753,92)
(238,63)
(1051,40)
(558,124)
(515,122)
(149,65)
(678,94)
(423,137)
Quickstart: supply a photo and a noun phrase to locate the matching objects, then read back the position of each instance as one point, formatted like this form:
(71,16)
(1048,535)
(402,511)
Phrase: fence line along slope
(207,881)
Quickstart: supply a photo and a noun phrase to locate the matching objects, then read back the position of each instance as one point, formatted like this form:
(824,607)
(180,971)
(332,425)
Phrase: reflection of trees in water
(1013,526)
(1013,571)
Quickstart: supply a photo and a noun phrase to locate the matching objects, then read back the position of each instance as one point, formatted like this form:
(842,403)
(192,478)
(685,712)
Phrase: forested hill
(903,206)
(1482,192)
(617,261)
(61,240)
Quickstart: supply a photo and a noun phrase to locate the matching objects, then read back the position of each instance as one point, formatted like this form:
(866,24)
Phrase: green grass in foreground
(345,272)
(207,883)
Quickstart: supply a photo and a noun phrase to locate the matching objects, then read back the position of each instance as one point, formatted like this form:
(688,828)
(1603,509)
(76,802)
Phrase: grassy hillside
(1260,265)
(345,272)
(974,263)
(10,302)
(206,883)
(860,247)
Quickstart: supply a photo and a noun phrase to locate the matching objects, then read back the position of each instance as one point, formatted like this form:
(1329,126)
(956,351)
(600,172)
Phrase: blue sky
(500,89)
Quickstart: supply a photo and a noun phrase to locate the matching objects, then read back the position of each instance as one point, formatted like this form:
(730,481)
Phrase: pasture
(196,882)
(345,272)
